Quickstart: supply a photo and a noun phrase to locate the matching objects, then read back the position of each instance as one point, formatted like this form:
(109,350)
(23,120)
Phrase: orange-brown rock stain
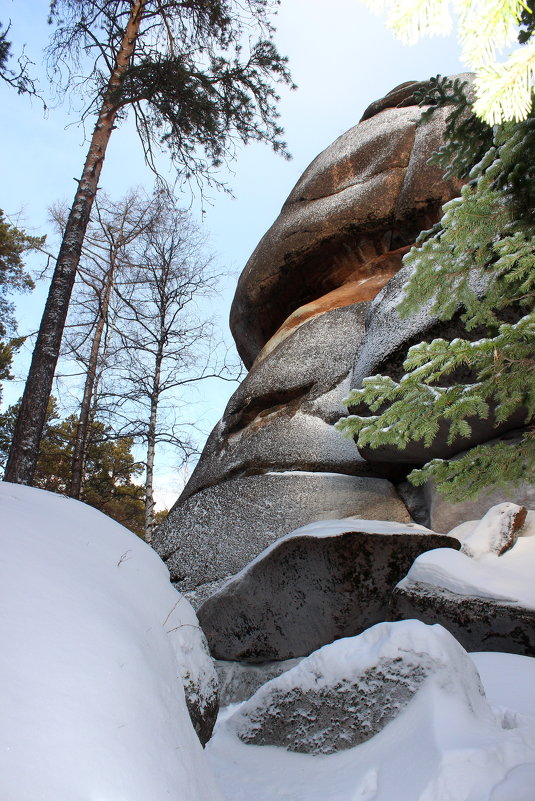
(362,284)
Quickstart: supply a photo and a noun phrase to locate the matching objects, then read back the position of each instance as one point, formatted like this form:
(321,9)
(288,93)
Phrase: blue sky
(341,58)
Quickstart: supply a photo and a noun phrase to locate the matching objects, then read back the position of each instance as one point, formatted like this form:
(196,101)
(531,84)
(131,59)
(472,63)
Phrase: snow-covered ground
(94,644)
(437,749)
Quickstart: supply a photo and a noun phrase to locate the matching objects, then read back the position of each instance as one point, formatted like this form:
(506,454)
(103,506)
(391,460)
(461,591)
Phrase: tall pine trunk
(24,451)
(82,428)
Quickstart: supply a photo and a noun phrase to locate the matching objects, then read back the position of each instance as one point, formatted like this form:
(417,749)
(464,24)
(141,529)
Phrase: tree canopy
(111,467)
(196,82)
(14,242)
(504,89)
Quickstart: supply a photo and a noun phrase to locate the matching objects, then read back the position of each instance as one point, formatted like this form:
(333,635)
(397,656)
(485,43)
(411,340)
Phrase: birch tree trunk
(82,428)
(24,451)
(151,445)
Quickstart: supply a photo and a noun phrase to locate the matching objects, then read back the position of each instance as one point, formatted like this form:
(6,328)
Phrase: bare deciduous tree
(167,344)
(196,85)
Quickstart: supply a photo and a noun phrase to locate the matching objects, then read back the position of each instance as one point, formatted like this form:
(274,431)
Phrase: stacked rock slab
(274,462)
(322,582)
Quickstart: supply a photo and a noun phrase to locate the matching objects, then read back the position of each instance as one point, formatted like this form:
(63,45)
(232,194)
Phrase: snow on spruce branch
(504,90)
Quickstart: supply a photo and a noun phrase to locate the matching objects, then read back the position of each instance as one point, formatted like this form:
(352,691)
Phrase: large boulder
(487,601)
(281,415)
(347,692)
(327,580)
(445,514)
(345,226)
(219,530)
(384,347)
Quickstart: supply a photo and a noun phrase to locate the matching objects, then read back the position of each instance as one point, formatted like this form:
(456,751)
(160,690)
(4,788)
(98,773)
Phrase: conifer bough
(487,235)
(504,90)
(181,66)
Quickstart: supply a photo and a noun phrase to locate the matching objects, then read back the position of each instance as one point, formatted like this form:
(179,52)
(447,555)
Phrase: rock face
(299,314)
(218,531)
(347,692)
(322,582)
(486,600)
(346,224)
(280,417)
(479,624)
(384,347)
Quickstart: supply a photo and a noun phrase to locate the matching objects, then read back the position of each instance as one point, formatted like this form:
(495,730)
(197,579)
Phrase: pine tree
(110,468)
(195,83)
(14,242)
(480,258)
(504,89)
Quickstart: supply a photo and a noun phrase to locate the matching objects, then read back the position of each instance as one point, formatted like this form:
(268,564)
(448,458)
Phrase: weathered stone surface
(347,223)
(497,531)
(398,97)
(479,624)
(383,349)
(444,515)
(486,601)
(348,691)
(218,531)
(196,668)
(327,580)
(202,699)
(239,681)
(281,415)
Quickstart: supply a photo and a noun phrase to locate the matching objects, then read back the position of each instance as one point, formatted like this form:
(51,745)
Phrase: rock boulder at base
(218,531)
(348,691)
(327,580)
(487,602)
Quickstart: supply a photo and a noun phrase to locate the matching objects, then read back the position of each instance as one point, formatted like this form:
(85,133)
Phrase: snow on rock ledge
(487,601)
(348,691)
(93,640)
(326,580)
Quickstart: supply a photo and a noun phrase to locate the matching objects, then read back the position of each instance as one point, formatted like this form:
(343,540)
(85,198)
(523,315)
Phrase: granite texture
(218,531)
(311,588)
(353,213)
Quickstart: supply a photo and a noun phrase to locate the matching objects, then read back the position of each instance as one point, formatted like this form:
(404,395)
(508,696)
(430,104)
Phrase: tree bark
(151,445)
(24,451)
(82,428)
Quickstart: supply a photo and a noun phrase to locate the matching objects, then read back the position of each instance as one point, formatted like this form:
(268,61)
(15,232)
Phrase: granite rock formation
(345,226)
(348,691)
(224,527)
(322,582)
(298,319)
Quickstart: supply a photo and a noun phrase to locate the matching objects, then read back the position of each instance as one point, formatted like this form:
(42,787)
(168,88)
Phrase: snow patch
(94,642)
